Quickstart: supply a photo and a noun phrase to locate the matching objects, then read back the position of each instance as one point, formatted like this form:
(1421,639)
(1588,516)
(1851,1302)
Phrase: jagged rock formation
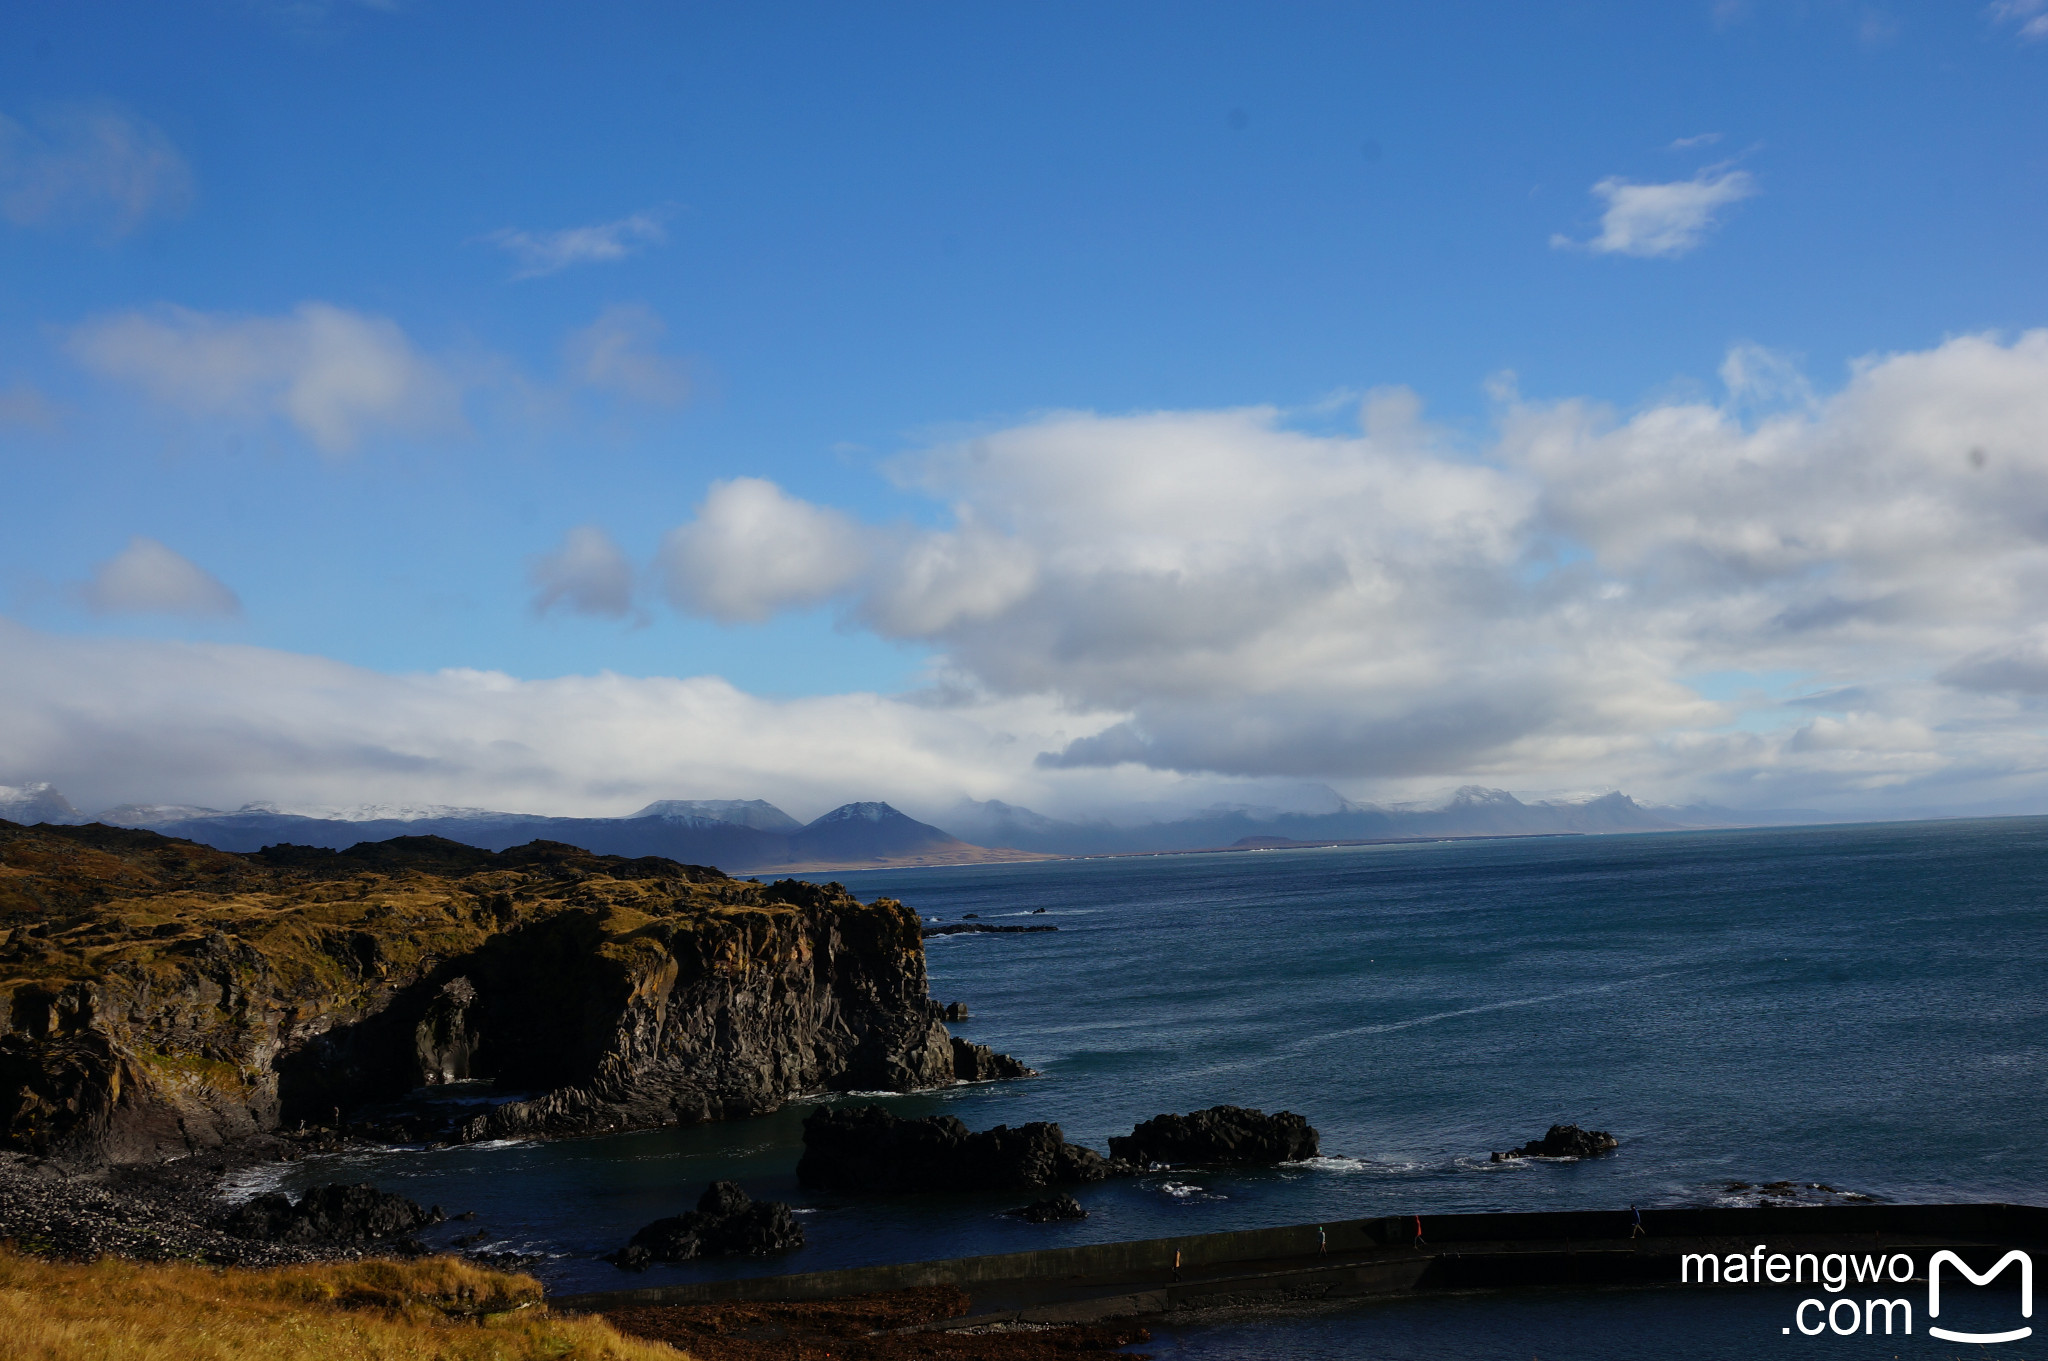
(726,1223)
(1564,1141)
(1219,1136)
(1052,1208)
(979,1063)
(865,1148)
(158,997)
(331,1214)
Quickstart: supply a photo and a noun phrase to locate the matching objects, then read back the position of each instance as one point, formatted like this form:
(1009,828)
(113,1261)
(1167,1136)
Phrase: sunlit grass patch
(438,1309)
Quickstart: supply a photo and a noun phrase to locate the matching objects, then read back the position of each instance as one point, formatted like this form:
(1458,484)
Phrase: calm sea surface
(1864,1007)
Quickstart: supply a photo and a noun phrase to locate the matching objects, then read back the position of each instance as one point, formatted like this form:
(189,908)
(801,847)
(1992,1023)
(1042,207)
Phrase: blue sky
(820,246)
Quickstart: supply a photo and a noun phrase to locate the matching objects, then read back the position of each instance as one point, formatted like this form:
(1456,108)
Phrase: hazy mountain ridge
(742,834)
(1472,811)
(753,834)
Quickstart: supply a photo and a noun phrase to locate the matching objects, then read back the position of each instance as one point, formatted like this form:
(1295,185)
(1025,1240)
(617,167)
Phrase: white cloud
(616,353)
(1688,143)
(1145,606)
(1251,600)
(753,550)
(588,574)
(2029,17)
(148,578)
(122,720)
(541,253)
(1759,377)
(1662,219)
(333,374)
(90,165)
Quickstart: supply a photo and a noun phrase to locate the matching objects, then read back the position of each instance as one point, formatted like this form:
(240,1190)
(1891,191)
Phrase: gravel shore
(163,1212)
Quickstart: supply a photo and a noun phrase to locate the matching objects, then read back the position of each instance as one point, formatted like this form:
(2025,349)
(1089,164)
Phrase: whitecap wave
(1187,1191)
(1337,1162)
(252,1182)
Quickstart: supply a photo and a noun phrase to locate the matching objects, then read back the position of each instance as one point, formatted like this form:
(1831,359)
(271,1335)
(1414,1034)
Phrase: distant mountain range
(750,835)
(737,835)
(1471,811)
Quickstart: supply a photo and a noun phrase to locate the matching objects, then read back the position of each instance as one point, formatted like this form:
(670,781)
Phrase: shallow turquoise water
(1862,1006)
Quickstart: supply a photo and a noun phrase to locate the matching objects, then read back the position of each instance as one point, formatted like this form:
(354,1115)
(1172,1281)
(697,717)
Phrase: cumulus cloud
(1252,600)
(1125,606)
(754,550)
(540,253)
(93,166)
(148,578)
(588,574)
(127,720)
(2029,17)
(333,374)
(1668,220)
(616,353)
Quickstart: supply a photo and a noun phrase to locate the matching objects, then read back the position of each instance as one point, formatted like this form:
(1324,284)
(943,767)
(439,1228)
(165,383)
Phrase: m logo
(2026,1294)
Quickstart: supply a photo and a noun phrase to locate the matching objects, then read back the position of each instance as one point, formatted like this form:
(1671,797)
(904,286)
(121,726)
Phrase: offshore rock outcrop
(1563,1141)
(331,1214)
(159,997)
(1219,1136)
(1052,1209)
(726,1223)
(865,1148)
(979,1063)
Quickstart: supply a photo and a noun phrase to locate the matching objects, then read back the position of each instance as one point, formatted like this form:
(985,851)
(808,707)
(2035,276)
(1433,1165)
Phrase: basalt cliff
(159,997)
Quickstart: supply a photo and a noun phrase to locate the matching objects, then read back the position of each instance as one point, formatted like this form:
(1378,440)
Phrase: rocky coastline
(160,999)
(171,1014)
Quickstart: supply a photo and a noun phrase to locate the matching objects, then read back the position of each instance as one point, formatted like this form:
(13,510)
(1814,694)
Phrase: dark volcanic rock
(983,928)
(1061,1206)
(1564,1141)
(864,1148)
(330,1214)
(726,1223)
(1219,1135)
(979,1063)
(957,1012)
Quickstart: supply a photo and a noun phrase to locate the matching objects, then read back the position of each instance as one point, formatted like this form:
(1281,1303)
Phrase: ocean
(1860,1011)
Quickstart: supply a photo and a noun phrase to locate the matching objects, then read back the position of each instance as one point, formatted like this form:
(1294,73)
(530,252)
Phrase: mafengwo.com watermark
(1870,1293)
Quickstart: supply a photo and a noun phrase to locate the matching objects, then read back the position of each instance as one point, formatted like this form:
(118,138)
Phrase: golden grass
(439,1309)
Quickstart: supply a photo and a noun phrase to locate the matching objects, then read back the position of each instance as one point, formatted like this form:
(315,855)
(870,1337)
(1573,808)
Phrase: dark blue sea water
(1864,1007)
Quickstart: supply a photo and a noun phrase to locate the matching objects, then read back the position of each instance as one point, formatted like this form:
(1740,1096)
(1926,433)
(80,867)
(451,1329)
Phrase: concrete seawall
(1305,1264)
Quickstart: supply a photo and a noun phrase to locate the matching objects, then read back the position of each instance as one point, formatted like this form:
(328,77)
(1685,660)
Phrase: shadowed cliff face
(158,997)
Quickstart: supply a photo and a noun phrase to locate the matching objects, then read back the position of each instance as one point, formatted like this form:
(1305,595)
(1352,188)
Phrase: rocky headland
(159,998)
